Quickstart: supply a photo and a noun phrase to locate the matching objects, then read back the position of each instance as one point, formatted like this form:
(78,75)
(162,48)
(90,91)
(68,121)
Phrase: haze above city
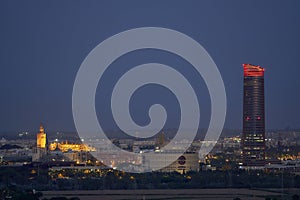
(44,43)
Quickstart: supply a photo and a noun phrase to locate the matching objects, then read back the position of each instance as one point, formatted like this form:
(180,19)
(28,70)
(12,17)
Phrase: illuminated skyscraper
(253,138)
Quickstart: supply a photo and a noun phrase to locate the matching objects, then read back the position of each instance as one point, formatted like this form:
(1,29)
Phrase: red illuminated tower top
(252,70)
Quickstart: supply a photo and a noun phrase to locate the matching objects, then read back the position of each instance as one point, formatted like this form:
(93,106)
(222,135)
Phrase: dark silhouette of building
(253,138)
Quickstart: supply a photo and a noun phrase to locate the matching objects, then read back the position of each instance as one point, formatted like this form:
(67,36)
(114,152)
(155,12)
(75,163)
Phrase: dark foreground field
(189,194)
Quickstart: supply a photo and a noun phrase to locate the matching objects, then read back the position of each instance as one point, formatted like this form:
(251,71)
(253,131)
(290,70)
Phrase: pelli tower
(253,137)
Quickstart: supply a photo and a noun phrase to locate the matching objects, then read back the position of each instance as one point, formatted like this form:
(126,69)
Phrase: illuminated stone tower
(41,138)
(41,145)
(253,137)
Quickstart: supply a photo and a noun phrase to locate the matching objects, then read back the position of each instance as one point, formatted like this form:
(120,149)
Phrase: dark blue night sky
(42,45)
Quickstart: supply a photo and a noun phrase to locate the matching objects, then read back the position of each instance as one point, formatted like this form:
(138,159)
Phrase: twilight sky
(42,45)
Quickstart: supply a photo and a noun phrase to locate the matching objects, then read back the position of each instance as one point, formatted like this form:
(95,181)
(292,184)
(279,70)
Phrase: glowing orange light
(252,70)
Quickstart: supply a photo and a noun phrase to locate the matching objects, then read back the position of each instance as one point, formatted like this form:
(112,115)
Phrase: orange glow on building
(41,138)
(252,70)
(64,147)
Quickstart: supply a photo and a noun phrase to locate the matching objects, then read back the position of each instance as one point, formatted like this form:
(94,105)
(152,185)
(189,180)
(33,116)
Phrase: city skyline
(149,100)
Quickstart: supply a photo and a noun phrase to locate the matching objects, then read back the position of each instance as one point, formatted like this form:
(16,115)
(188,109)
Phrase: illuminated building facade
(41,145)
(185,163)
(41,138)
(253,137)
(55,151)
(65,147)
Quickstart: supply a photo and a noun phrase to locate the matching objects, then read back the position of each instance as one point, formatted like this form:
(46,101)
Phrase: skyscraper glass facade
(253,137)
